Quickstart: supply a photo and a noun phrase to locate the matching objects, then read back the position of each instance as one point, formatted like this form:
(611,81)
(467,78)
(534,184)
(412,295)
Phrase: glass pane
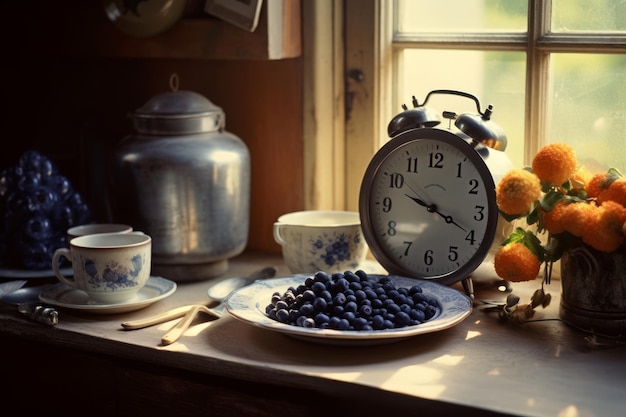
(583,15)
(461,15)
(496,78)
(588,107)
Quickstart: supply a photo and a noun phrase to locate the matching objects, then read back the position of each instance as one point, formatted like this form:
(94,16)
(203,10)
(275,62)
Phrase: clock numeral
(386,204)
(436,160)
(470,237)
(411,165)
(474,186)
(428,257)
(396,180)
(453,255)
(458,170)
(391,228)
(480,213)
(408,246)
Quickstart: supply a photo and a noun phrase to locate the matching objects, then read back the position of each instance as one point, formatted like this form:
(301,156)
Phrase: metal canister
(185,181)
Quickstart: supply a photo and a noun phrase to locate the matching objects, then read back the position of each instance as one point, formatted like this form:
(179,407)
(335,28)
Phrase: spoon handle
(157,319)
(180,327)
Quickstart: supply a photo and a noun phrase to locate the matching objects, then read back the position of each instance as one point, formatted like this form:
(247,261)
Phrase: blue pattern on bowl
(334,249)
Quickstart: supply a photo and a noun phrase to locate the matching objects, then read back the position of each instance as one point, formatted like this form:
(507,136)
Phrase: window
(555,71)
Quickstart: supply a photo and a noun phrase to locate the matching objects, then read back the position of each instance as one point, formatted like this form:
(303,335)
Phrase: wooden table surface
(481,366)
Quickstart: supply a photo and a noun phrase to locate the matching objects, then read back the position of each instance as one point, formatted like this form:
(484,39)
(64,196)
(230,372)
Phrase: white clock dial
(428,206)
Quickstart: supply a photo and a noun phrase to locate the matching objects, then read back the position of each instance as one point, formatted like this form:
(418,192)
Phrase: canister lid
(178,112)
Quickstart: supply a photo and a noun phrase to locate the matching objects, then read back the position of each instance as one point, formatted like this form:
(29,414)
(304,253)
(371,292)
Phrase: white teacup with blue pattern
(110,267)
(320,240)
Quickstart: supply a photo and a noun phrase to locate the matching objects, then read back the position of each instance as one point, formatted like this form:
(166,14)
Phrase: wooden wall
(74,108)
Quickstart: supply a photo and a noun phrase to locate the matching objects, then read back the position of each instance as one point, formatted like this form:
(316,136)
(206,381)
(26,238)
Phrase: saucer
(62,295)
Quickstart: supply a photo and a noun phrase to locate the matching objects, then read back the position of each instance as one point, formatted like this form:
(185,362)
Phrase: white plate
(62,295)
(31,273)
(248,305)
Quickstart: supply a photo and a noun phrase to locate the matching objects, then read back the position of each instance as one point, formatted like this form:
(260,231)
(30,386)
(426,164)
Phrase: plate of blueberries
(349,307)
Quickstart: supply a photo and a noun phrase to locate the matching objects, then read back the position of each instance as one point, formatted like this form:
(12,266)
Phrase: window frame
(371,45)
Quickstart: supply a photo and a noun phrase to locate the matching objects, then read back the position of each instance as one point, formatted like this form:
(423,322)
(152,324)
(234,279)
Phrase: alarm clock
(427,200)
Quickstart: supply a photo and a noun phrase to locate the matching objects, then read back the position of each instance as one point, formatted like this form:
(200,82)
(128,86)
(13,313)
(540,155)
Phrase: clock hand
(433,209)
(448,219)
(417,200)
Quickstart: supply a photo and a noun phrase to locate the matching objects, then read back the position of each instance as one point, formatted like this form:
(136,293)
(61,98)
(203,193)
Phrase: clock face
(428,206)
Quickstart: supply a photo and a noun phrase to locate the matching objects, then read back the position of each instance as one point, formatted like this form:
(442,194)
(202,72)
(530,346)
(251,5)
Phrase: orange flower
(596,184)
(554,163)
(576,216)
(553,219)
(515,262)
(604,228)
(517,191)
(615,192)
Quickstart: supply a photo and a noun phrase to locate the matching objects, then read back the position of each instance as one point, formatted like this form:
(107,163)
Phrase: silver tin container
(185,181)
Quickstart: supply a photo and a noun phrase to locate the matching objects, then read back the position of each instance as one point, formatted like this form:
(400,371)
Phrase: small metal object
(40,313)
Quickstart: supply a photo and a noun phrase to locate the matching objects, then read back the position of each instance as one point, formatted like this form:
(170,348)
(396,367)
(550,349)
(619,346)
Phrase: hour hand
(417,200)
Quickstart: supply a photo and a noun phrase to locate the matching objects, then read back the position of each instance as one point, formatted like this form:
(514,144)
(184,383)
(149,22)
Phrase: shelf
(277,36)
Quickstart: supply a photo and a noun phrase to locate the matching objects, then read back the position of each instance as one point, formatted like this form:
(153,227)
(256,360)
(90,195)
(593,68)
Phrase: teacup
(318,240)
(110,267)
(96,228)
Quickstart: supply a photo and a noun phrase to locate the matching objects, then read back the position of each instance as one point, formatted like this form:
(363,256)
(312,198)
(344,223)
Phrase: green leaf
(533,216)
(510,217)
(516,236)
(533,243)
(551,199)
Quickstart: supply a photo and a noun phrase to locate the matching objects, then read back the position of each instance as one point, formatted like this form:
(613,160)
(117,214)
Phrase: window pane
(461,15)
(588,107)
(582,15)
(496,78)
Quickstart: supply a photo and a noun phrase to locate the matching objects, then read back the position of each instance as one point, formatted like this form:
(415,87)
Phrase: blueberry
(326,295)
(321,318)
(334,322)
(342,284)
(355,286)
(351,306)
(308,323)
(321,276)
(38,227)
(361,274)
(343,324)
(339,299)
(378,322)
(320,304)
(318,287)
(282,315)
(365,310)
(417,315)
(307,309)
(402,319)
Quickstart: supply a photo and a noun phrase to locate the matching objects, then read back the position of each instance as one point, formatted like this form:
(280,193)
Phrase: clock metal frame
(379,246)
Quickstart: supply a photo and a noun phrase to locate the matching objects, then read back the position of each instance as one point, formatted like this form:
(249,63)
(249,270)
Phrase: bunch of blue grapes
(38,204)
(352,301)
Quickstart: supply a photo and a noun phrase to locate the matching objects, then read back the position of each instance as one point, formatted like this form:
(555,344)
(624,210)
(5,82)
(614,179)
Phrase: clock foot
(468,286)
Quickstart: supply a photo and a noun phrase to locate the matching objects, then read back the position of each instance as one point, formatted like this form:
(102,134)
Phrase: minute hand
(448,219)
